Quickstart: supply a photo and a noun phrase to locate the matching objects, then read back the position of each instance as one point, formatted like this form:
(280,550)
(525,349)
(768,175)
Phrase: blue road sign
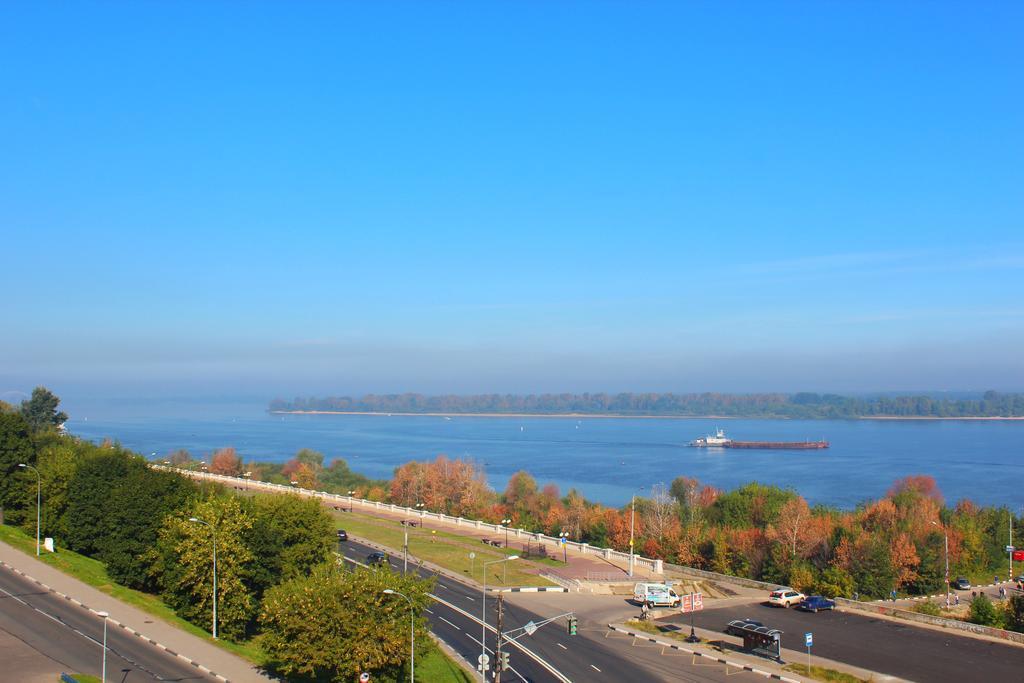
(809,638)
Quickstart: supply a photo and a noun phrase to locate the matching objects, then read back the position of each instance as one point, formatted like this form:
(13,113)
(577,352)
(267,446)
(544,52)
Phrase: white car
(785,597)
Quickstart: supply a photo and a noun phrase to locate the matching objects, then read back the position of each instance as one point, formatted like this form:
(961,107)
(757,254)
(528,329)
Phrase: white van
(655,595)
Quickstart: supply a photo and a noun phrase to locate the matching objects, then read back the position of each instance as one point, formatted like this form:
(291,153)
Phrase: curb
(744,667)
(953,591)
(532,589)
(116,623)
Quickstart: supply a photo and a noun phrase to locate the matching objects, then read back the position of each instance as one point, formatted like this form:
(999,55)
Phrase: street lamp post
(350,501)
(213,532)
(419,506)
(39,497)
(483,614)
(563,538)
(248,477)
(103,678)
(505,523)
(412,639)
(504,574)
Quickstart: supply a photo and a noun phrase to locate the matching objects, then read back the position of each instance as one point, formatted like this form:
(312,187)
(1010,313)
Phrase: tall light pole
(103,678)
(248,478)
(504,575)
(412,639)
(213,532)
(563,538)
(945,541)
(505,523)
(39,497)
(350,501)
(483,614)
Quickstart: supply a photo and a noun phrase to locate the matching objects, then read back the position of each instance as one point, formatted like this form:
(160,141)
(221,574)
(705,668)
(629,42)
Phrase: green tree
(146,497)
(289,536)
(874,575)
(58,462)
(1015,613)
(89,496)
(834,582)
(751,505)
(984,612)
(40,411)
(17,486)
(333,624)
(182,565)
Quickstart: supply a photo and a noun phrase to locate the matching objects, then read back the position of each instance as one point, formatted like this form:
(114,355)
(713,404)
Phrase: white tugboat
(719,440)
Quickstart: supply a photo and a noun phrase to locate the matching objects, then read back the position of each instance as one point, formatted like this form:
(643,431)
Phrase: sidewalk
(223,664)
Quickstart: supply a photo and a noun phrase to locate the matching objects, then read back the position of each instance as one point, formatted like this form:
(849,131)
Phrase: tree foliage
(40,411)
(289,536)
(15,447)
(334,625)
(182,564)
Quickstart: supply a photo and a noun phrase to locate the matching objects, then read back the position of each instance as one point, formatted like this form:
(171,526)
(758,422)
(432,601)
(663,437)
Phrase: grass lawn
(446,549)
(84,678)
(437,666)
(820,673)
(93,572)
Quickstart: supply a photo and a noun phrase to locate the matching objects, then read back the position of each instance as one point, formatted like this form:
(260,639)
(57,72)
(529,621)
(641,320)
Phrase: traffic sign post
(809,639)
(482,662)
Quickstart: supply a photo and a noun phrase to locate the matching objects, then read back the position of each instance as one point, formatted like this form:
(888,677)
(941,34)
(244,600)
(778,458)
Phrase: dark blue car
(813,603)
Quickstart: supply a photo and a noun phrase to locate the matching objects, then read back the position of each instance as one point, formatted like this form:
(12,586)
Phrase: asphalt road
(890,647)
(588,656)
(71,635)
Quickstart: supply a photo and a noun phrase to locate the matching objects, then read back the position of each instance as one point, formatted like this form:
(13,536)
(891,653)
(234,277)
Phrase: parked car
(342,535)
(655,595)
(813,603)
(962,584)
(785,597)
(377,559)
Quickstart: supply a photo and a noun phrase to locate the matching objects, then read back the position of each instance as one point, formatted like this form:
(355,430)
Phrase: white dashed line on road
(561,646)
(450,623)
(595,668)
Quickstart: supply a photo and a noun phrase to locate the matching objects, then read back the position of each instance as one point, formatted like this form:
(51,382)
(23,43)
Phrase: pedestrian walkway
(149,627)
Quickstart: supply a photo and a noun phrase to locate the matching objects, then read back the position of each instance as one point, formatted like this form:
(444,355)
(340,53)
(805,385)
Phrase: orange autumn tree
(226,462)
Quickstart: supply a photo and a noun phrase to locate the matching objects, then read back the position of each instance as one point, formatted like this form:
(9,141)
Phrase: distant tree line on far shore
(794,406)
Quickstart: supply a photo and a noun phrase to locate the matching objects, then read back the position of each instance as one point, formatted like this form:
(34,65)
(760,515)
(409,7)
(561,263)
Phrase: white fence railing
(652,565)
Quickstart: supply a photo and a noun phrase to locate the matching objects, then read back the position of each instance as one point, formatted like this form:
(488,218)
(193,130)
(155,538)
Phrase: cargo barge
(720,440)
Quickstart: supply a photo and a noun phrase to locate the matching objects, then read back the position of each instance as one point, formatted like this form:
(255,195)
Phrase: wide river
(606,459)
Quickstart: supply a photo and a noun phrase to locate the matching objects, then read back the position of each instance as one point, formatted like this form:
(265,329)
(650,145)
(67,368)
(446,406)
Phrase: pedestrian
(856,595)
(956,599)
(644,612)
(1002,592)
(893,594)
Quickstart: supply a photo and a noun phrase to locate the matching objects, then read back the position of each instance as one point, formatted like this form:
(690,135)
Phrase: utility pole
(1010,576)
(497,649)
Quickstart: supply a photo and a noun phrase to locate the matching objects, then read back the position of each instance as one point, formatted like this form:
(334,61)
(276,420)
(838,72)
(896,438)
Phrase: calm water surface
(606,459)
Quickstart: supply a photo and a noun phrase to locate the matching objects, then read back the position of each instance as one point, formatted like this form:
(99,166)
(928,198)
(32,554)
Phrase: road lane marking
(427,610)
(470,598)
(449,623)
(595,668)
(561,646)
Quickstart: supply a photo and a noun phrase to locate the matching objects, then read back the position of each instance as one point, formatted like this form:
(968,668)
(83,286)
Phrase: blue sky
(430,196)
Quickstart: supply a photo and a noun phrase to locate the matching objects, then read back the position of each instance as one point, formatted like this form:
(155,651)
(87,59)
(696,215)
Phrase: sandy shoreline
(617,416)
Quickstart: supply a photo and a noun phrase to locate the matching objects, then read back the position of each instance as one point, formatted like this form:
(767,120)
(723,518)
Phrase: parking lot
(883,645)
